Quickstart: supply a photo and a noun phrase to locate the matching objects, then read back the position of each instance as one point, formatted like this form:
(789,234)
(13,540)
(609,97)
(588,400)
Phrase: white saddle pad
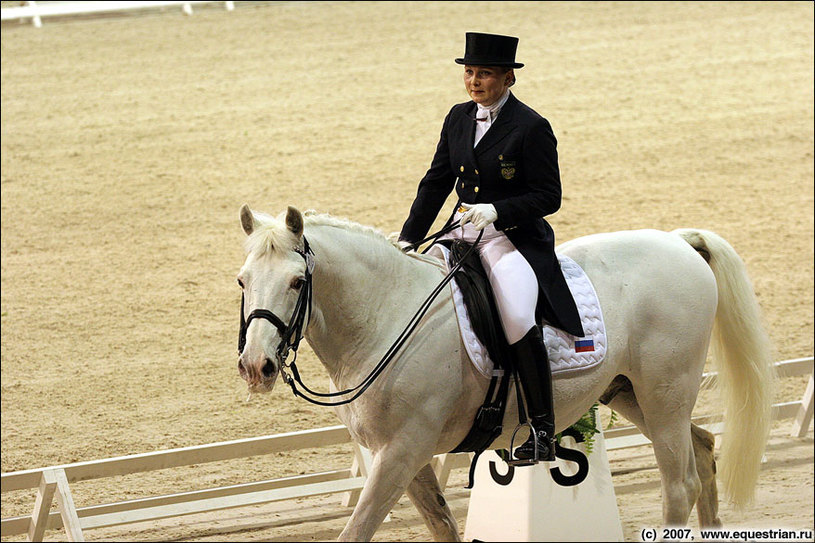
(567,353)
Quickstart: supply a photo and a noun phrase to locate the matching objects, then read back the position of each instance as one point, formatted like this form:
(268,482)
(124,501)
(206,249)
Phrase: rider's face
(486,84)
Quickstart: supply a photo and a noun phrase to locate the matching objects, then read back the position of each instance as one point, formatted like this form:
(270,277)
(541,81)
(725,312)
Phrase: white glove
(479,214)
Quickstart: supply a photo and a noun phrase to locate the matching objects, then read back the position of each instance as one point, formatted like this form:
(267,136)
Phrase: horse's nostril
(241,368)
(268,368)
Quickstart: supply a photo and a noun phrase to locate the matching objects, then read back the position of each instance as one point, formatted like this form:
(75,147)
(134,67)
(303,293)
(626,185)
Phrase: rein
(295,328)
(434,237)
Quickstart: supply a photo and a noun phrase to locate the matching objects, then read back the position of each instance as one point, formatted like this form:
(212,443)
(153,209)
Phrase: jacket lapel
(500,127)
(471,133)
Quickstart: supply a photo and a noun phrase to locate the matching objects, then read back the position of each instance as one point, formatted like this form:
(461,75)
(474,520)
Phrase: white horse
(662,295)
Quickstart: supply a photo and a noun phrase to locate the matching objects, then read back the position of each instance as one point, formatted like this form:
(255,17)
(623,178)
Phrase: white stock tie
(483,121)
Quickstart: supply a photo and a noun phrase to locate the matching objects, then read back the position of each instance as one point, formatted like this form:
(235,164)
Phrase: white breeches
(513,282)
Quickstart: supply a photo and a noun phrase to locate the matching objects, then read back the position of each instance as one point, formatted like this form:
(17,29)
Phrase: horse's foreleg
(392,470)
(707,505)
(426,494)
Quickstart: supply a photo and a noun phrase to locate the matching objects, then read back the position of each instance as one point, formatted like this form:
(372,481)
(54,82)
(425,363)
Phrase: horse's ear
(294,220)
(248,219)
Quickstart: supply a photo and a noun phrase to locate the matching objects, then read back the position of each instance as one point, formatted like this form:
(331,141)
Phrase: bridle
(292,333)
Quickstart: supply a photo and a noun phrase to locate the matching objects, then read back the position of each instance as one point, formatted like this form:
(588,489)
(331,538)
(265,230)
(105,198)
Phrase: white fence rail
(76,520)
(36,11)
(53,482)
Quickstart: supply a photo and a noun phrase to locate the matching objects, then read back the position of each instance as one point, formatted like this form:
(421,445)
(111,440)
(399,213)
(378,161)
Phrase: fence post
(67,509)
(443,464)
(804,416)
(35,19)
(360,467)
(42,506)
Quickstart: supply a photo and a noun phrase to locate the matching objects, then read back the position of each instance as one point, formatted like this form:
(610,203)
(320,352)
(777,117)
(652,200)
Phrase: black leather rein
(296,324)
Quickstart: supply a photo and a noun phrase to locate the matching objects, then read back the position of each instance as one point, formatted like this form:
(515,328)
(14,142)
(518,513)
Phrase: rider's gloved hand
(480,215)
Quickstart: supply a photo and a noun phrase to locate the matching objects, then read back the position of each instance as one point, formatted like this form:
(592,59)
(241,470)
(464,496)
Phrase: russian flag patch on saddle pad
(584,345)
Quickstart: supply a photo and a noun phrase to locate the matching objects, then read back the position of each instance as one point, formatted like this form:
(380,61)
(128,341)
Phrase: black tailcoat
(515,168)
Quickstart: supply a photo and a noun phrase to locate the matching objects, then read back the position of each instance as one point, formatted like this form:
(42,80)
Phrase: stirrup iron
(525,461)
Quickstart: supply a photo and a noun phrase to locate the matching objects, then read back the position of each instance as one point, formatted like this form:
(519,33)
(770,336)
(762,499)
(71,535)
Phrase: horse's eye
(297,283)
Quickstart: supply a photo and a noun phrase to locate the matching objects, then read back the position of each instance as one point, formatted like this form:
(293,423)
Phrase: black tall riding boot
(532,363)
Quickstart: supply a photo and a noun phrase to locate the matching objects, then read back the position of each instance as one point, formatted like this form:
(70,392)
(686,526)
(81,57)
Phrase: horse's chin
(262,387)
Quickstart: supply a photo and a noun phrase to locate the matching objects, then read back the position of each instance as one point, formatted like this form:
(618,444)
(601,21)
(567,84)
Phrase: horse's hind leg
(620,397)
(668,420)
(426,494)
(684,475)
(707,506)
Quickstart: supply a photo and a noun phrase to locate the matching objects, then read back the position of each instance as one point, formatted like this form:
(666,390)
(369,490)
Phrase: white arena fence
(54,482)
(36,11)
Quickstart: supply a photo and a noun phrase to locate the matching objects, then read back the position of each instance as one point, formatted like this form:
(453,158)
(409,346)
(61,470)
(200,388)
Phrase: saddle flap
(476,292)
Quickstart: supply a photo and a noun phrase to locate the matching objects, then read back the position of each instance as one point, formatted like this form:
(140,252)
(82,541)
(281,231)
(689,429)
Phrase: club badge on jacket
(508,170)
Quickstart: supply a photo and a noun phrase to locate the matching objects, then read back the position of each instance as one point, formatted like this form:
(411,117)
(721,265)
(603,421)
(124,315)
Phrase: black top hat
(490,50)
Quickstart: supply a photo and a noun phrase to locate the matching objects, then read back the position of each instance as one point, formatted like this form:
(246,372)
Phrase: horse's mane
(273,232)
(324,219)
(312,218)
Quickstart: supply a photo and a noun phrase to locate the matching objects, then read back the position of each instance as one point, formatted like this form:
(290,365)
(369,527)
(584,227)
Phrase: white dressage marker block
(527,504)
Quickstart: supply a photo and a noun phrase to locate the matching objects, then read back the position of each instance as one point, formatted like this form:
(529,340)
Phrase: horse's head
(274,279)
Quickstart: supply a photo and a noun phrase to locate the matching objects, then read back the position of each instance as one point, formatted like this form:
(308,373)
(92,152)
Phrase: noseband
(292,333)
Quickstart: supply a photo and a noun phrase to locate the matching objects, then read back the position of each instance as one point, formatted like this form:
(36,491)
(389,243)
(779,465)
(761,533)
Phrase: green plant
(587,426)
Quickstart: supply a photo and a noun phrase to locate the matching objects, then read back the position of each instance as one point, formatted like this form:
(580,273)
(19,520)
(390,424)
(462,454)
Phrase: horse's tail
(742,353)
